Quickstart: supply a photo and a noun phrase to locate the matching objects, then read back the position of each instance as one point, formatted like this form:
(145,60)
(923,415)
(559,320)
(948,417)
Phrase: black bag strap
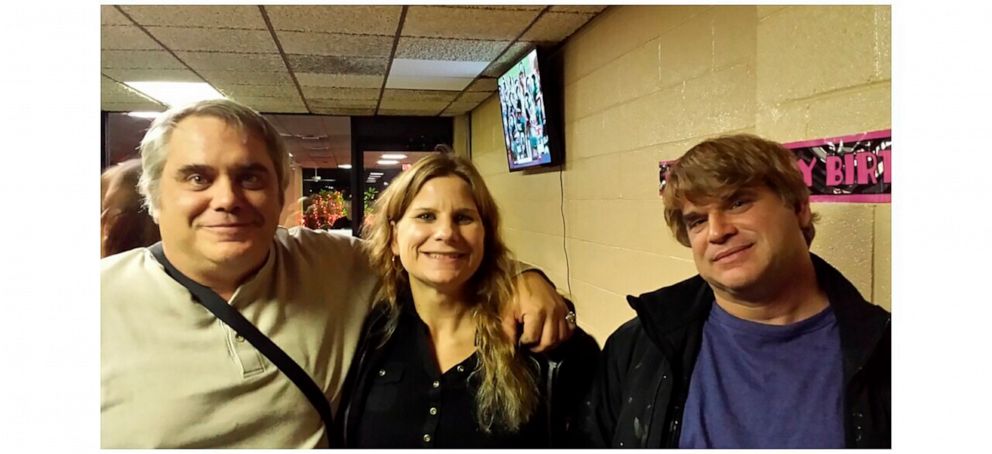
(227,314)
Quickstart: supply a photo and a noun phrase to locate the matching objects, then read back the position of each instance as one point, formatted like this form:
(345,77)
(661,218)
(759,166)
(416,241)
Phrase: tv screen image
(522,103)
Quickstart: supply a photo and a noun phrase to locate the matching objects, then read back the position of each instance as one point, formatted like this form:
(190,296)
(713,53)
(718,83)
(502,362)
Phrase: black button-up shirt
(410,403)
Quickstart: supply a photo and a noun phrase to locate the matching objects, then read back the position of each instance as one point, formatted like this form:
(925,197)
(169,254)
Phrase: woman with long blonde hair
(435,368)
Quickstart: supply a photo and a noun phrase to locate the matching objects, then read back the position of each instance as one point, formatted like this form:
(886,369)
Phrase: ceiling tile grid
(483,84)
(591,9)
(327,64)
(340,80)
(515,52)
(468,23)
(215,39)
(366,20)
(109,15)
(555,27)
(449,49)
(229,61)
(125,37)
(337,44)
(419,95)
(315,93)
(216,16)
(219,77)
(242,90)
(339,54)
(139,59)
(176,75)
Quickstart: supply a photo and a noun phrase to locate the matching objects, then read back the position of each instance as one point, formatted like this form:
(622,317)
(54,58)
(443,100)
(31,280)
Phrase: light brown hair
(717,168)
(507,394)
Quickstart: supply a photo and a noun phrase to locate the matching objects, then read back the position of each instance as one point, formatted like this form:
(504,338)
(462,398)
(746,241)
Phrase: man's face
(219,197)
(748,242)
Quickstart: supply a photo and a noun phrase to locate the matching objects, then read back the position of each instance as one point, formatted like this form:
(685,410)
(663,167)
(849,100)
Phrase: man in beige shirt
(172,374)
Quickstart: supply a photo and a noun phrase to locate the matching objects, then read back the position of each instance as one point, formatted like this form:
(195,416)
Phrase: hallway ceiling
(330,60)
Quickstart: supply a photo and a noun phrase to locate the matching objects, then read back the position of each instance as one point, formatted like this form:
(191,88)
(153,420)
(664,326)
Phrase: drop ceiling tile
(475,96)
(111,16)
(578,9)
(335,44)
(126,37)
(214,16)
(363,19)
(474,23)
(449,49)
(318,93)
(483,84)
(236,90)
(172,75)
(408,112)
(328,64)
(139,106)
(436,106)
(419,95)
(512,55)
(554,27)
(459,108)
(223,77)
(326,104)
(113,92)
(339,80)
(226,61)
(281,108)
(139,59)
(217,40)
(428,82)
(347,112)
(269,100)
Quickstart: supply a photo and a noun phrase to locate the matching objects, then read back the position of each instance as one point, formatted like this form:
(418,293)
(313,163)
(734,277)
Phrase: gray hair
(244,118)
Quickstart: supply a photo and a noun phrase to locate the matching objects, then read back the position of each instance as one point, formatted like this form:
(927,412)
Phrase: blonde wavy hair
(507,395)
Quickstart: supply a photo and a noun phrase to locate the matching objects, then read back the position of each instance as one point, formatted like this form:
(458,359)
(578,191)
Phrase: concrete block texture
(646,83)
(806,50)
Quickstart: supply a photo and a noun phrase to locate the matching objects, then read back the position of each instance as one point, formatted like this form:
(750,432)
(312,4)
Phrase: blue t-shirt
(766,386)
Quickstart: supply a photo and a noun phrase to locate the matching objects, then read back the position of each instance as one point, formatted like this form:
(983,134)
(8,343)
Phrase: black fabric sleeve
(601,405)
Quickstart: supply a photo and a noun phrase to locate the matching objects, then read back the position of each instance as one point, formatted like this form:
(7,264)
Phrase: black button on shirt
(410,403)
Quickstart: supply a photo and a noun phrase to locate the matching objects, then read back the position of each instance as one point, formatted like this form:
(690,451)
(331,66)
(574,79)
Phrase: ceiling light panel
(175,93)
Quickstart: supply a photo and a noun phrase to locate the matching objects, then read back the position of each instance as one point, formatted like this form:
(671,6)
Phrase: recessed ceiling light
(393,156)
(344,166)
(386,162)
(176,93)
(143,114)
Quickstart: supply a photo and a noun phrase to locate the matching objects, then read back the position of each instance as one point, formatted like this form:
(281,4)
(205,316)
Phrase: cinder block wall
(643,84)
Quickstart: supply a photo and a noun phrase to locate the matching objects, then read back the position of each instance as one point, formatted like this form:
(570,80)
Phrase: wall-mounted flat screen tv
(524,101)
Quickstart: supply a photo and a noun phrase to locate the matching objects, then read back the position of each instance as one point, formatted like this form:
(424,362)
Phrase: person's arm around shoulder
(539,308)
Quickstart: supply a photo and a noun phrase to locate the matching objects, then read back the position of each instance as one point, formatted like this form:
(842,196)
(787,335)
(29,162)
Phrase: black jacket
(641,387)
(564,377)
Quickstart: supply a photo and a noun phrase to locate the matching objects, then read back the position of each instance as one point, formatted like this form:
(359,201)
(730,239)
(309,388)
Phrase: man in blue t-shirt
(768,346)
